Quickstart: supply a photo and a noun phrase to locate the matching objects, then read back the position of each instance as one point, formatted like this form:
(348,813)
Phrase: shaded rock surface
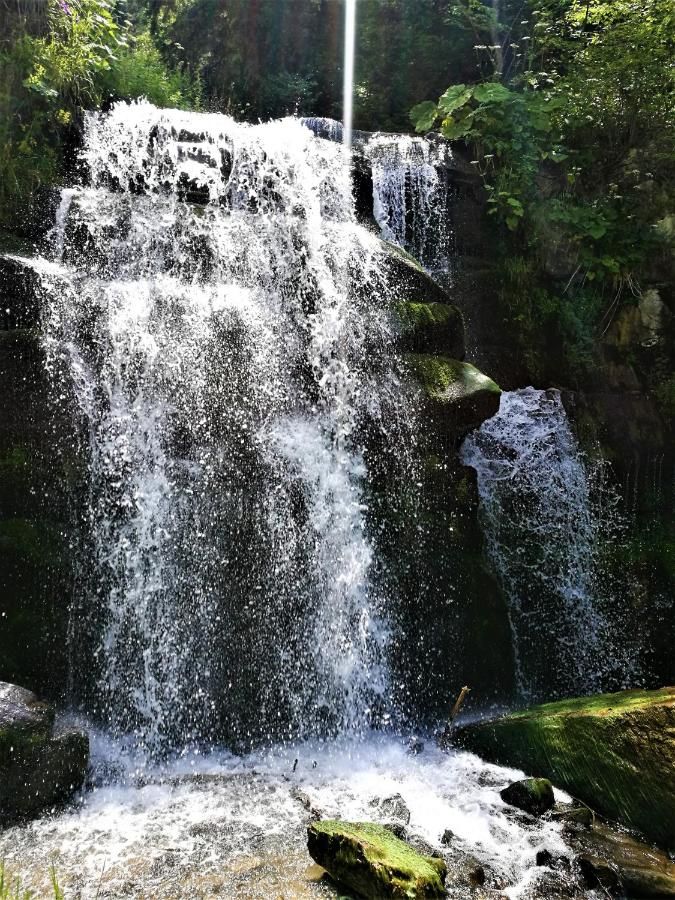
(370,860)
(533,795)
(459,396)
(618,863)
(613,751)
(39,765)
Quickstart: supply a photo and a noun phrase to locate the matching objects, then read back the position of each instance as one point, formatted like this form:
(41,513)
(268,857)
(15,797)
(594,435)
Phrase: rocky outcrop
(39,475)
(459,396)
(371,861)
(432,328)
(39,764)
(613,751)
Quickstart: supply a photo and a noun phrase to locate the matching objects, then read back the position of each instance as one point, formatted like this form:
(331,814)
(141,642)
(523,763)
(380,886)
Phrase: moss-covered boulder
(369,859)
(459,395)
(436,328)
(428,317)
(532,795)
(39,765)
(615,752)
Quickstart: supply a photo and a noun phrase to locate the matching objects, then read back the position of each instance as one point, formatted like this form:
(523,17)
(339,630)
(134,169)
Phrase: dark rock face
(19,303)
(38,470)
(39,766)
(613,751)
(370,860)
(616,862)
(532,795)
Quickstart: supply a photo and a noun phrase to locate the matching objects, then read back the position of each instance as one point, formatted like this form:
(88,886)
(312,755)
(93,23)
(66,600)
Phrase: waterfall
(411,193)
(223,324)
(544,531)
(411,196)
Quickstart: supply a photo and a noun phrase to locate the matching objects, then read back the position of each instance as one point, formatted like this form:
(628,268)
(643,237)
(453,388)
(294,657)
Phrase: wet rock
(459,396)
(425,308)
(621,864)
(393,808)
(435,328)
(532,795)
(306,802)
(19,292)
(39,766)
(573,818)
(593,747)
(415,746)
(447,837)
(371,861)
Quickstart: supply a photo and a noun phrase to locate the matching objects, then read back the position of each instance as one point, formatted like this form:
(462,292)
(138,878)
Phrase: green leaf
(512,223)
(492,92)
(453,130)
(423,116)
(457,95)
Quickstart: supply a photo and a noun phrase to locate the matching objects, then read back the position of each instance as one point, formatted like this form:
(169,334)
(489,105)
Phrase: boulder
(432,312)
(371,861)
(620,864)
(532,795)
(436,328)
(613,751)
(460,397)
(393,808)
(39,765)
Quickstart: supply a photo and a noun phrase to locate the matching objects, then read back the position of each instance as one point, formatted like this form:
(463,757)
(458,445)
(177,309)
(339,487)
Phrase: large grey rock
(39,766)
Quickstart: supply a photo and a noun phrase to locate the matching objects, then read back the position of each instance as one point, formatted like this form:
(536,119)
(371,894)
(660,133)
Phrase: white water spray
(543,535)
(225,326)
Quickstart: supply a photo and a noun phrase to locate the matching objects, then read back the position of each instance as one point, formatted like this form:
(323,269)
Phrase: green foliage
(571,128)
(10,887)
(78,54)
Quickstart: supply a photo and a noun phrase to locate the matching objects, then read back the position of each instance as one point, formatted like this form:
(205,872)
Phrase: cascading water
(411,194)
(543,532)
(224,324)
(411,197)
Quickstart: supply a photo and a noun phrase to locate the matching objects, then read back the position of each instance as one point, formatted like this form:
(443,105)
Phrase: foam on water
(240,822)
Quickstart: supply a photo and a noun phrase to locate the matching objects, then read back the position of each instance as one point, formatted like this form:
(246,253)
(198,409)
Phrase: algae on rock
(460,396)
(369,859)
(613,751)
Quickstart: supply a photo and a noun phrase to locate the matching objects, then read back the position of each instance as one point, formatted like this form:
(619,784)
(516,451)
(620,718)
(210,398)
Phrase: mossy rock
(436,328)
(461,397)
(533,795)
(614,752)
(369,859)
(412,284)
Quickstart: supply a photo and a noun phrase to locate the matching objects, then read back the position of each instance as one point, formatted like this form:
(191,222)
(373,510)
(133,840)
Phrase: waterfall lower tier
(224,325)
(544,529)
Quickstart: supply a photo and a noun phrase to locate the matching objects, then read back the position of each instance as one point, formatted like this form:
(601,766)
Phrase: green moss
(613,751)
(418,315)
(370,860)
(446,379)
